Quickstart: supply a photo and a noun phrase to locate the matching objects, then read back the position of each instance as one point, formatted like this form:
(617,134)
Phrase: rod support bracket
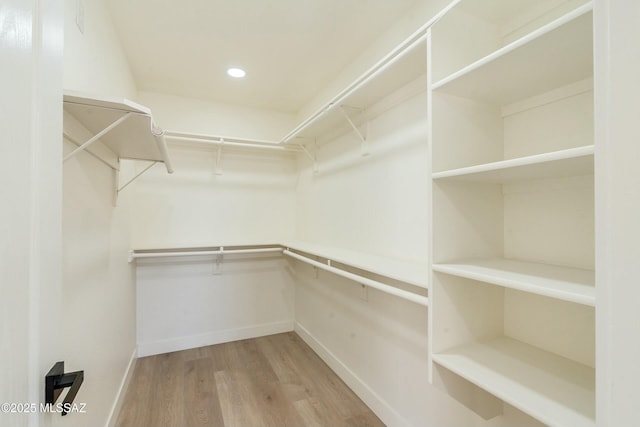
(362,136)
(217,268)
(311,156)
(217,170)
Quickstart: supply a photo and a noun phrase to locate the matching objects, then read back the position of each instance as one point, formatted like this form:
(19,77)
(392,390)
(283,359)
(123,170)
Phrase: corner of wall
(94,59)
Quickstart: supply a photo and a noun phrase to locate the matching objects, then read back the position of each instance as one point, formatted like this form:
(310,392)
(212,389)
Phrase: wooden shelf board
(567,284)
(407,272)
(550,388)
(555,55)
(564,163)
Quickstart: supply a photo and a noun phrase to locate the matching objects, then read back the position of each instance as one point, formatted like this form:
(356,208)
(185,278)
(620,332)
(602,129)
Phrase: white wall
(248,198)
(186,303)
(251,202)
(182,303)
(375,204)
(31,85)
(190,115)
(413,19)
(98,297)
(98,293)
(94,61)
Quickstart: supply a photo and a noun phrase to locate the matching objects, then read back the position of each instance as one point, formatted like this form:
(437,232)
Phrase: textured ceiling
(290,48)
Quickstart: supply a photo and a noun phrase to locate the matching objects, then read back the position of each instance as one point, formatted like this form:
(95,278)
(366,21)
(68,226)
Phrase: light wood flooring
(274,381)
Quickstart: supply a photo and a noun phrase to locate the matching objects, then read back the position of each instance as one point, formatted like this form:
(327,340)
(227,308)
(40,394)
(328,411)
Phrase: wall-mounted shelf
(564,283)
(553,389)
(552,56)
(563,163)
(127,129)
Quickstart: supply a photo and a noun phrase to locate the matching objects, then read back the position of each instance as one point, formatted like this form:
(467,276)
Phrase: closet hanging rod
(409,296)
(160,137)
(406,46)
(340,99)
(230,142)
(135,255)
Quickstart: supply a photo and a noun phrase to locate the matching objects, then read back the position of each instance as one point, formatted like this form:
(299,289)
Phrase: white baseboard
(211,338)
(379,406)
(122,390)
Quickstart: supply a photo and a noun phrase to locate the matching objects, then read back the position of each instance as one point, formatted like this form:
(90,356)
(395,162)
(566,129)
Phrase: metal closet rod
(410,43)
(230,141)
(222,251)
(383,287)
(409,296)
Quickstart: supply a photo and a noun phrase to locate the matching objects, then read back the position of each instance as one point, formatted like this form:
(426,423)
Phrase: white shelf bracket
(97,136)
(218,166)
(311,156)
(217,268)
(363,137)
(136,177)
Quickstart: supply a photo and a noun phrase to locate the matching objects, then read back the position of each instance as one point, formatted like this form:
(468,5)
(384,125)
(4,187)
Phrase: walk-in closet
(324,213)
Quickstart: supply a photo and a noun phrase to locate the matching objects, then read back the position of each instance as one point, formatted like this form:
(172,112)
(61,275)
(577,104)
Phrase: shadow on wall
(350,153)
(402,323)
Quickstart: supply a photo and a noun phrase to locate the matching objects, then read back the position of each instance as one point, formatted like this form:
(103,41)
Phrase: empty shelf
(556,164)
(550,388)
(555,55)
(136,137)
(568,284)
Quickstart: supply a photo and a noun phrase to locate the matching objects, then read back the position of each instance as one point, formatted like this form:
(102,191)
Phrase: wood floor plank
(201,402)
(239,405)
(168,386)
(308,413)
(280,361)
(137,409)
(364,420)
(275,407)
(255,361)
(273,381)
(322,381)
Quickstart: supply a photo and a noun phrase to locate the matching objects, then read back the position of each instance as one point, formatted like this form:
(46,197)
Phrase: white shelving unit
(564,283)
(551,388)
(550,57)
(558,164)
(512,290)
(125,128)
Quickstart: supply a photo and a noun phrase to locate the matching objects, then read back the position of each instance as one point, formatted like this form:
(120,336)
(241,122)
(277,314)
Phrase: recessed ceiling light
(237,73)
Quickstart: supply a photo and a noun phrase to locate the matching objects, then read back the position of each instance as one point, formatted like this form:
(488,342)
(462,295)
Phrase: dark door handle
(56,380)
